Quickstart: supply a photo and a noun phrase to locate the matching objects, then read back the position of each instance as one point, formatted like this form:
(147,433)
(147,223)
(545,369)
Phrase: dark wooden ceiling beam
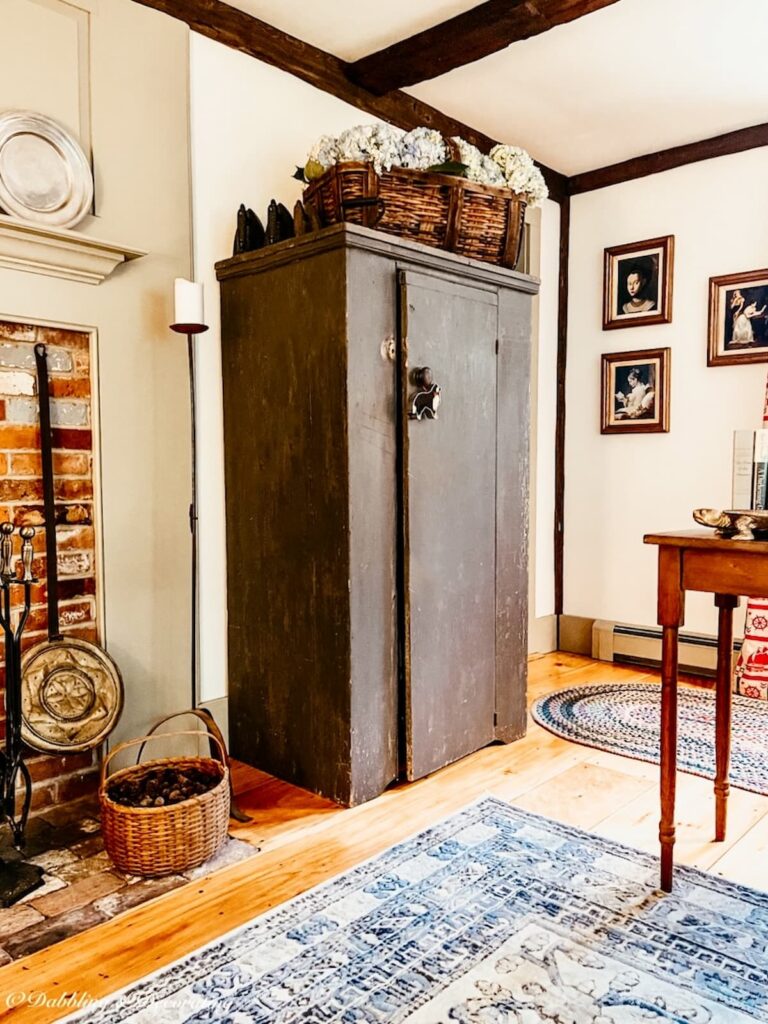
(467,37)
(666,159)
(241,31)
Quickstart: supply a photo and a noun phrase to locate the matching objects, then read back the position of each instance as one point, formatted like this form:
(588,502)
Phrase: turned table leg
(671,616)
(668,753)
(725,603)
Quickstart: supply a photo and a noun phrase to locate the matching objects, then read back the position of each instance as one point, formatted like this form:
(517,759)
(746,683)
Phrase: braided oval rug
(623,718)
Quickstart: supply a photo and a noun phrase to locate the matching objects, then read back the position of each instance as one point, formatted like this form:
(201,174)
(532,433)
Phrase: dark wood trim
(665,160)
(234,28)
(562,354)
(465,38)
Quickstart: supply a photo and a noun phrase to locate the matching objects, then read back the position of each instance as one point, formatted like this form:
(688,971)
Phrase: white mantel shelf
(59,252)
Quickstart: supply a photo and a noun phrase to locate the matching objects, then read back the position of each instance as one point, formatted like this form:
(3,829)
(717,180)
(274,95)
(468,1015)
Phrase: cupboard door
(448,505)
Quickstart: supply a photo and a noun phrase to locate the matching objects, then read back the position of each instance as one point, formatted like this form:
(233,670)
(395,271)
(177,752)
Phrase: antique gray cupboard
(377,563)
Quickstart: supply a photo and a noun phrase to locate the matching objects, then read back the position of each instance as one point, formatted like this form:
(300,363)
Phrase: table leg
(725,603)
(668,752)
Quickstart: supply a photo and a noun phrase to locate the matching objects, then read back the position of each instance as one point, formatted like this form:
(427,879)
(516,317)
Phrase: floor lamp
(189,319)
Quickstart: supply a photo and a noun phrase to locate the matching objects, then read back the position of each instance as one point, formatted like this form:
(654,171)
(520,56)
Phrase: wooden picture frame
(637,283)
(738,319)
(635,392)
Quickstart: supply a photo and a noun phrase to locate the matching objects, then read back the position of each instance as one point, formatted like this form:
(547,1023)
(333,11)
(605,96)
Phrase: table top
(707,539)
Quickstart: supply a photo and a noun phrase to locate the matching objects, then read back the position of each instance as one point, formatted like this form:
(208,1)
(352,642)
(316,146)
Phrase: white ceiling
(636,77)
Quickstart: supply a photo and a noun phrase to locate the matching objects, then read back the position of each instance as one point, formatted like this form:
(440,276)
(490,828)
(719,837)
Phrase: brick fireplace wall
(56,779)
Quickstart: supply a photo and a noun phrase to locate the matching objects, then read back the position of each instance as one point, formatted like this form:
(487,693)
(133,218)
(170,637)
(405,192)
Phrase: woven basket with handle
(155,841)
(483,222)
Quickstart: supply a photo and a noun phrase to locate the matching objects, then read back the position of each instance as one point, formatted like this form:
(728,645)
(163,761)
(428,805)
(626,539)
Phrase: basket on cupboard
(482,222)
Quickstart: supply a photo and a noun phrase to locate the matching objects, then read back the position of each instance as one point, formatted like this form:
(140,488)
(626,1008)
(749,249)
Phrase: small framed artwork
(738,319)
(635,392)
(637,283)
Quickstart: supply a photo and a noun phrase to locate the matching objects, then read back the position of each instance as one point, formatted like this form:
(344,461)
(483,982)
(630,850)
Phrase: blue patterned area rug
(624,718)
(493,916)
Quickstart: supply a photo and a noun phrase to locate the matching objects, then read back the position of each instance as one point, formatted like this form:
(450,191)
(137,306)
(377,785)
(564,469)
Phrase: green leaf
(299,175)
(459,170)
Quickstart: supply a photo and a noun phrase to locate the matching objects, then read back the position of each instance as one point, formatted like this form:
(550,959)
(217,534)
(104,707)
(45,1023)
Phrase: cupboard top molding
(354,236)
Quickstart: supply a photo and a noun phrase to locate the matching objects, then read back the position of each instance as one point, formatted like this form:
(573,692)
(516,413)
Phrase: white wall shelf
(59,252)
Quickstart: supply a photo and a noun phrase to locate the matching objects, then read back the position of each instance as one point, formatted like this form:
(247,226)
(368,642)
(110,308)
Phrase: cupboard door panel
(448,518)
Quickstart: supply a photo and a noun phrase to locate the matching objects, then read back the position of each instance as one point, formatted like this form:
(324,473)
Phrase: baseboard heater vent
(641,645)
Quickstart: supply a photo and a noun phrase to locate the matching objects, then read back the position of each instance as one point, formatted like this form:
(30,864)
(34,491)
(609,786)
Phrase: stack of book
(750,469)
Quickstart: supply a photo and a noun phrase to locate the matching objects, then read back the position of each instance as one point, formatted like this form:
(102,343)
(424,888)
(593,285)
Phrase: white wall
(619,487)
(251,125)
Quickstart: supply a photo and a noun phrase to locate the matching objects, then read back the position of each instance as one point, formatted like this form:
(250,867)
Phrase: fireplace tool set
(12,758)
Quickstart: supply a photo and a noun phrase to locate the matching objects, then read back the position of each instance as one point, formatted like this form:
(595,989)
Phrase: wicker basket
(480,221)
(157,841)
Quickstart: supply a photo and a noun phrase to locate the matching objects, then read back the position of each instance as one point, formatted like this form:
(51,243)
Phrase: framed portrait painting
(635,392)
(738,319)
(637,283)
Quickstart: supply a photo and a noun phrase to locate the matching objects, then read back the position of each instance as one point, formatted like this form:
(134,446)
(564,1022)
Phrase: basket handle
(208,721)
(157,736)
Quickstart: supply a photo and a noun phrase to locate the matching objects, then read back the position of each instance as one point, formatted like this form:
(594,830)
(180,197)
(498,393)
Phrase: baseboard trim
(542,635)
(576,635)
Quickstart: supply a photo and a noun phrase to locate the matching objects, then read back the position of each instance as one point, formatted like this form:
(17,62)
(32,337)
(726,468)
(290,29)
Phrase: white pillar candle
(188,297)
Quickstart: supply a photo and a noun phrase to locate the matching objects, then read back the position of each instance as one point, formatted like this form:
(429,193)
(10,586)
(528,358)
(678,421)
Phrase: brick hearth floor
(81,887)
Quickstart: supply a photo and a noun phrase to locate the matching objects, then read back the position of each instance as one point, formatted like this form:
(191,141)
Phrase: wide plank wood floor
(305,840)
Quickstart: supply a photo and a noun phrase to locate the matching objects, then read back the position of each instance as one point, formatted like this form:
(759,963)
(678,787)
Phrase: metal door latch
(425,402)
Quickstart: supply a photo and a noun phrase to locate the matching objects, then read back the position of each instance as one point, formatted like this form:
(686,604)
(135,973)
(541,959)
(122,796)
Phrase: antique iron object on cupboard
(376,418)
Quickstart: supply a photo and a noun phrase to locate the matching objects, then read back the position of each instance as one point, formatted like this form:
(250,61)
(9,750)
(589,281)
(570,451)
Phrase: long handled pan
(72,691)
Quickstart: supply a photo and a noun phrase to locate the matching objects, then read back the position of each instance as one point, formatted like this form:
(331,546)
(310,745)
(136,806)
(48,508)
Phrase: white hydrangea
(378,144)
(521,173)
(480,168)
(422,148)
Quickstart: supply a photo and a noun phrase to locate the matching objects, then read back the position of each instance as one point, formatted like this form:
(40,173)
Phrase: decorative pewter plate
(71,697)
(44,174)
(738,524)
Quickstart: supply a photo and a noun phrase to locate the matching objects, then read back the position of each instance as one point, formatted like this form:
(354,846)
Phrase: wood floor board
(576,796)
(636,823)
(306,840)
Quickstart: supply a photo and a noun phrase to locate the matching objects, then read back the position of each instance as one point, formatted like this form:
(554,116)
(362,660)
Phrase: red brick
(77,439)
(72,787)
(71,464)
(70,387)
(76,613)
(63,337)
(21,490)
(14,435)
(71,490)
(81,587)
(11,331)
(45,767)
(26,464)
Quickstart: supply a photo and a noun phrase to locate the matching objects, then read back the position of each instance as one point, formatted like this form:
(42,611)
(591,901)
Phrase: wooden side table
(698,560)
